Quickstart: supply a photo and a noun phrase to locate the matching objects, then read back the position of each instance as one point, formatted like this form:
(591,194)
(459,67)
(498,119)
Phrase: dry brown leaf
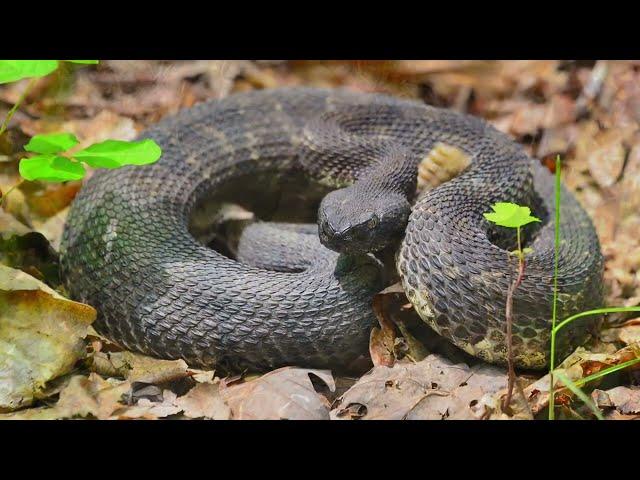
(82,397)
(91,396)
(41,336)
(433,388)
(9,226)
(136,367)
(627,333)
(605,154)
(46,200)
(556,141)
(381,346)
(382,340)
(286,393)
(202,376)
(626,400)
(204,401)
(528,120)
(560,111)
(15,203)
(105,125)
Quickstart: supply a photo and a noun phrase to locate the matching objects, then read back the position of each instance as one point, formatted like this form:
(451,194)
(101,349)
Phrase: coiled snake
(288,300)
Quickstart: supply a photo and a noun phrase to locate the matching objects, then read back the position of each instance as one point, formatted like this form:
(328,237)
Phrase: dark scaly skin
(127,251)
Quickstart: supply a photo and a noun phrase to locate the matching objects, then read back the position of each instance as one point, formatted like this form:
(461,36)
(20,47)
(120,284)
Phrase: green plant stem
(598,311)
(556,245)
(23,95)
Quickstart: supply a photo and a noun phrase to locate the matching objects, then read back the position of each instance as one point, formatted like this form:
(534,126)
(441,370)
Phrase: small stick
(509,316)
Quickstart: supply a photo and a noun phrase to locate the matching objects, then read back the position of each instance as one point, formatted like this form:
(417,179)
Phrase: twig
(509,315)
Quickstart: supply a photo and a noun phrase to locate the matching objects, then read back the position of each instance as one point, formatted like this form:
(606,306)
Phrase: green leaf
(116,153)
(51,143)
(14,70)
(50,168)
(510,215)
(86,62)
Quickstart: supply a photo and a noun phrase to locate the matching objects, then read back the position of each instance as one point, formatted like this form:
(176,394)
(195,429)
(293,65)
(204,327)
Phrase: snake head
(351,220)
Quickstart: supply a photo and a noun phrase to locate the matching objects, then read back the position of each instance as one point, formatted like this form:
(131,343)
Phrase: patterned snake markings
(287,299)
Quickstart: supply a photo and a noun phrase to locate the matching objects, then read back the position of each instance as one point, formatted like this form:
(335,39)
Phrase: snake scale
(287,299)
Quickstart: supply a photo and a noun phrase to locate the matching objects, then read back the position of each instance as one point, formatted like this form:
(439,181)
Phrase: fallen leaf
(41,336)
(46,200)
(382,340)
(605,154)
(105,125)
(204,401)
(381,346)
(91,396)
(9,226)
(136,367)
(284,394)
(202,376)
(626,400)
(627,333)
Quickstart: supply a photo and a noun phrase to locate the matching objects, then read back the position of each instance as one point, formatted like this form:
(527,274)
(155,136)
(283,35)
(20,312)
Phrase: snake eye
(373,222)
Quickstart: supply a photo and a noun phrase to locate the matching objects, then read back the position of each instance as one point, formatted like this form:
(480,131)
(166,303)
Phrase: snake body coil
(127,249)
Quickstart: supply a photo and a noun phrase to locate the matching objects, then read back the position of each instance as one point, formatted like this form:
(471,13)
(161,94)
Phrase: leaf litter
(585,111)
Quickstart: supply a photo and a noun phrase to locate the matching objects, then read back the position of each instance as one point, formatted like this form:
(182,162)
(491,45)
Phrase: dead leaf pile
(432,389)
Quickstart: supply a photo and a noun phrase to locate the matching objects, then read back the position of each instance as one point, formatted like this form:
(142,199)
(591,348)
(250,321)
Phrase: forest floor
(54,365)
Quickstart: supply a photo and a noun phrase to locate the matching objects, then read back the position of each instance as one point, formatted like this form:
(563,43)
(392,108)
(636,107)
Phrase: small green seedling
(511,215)
(54,162)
